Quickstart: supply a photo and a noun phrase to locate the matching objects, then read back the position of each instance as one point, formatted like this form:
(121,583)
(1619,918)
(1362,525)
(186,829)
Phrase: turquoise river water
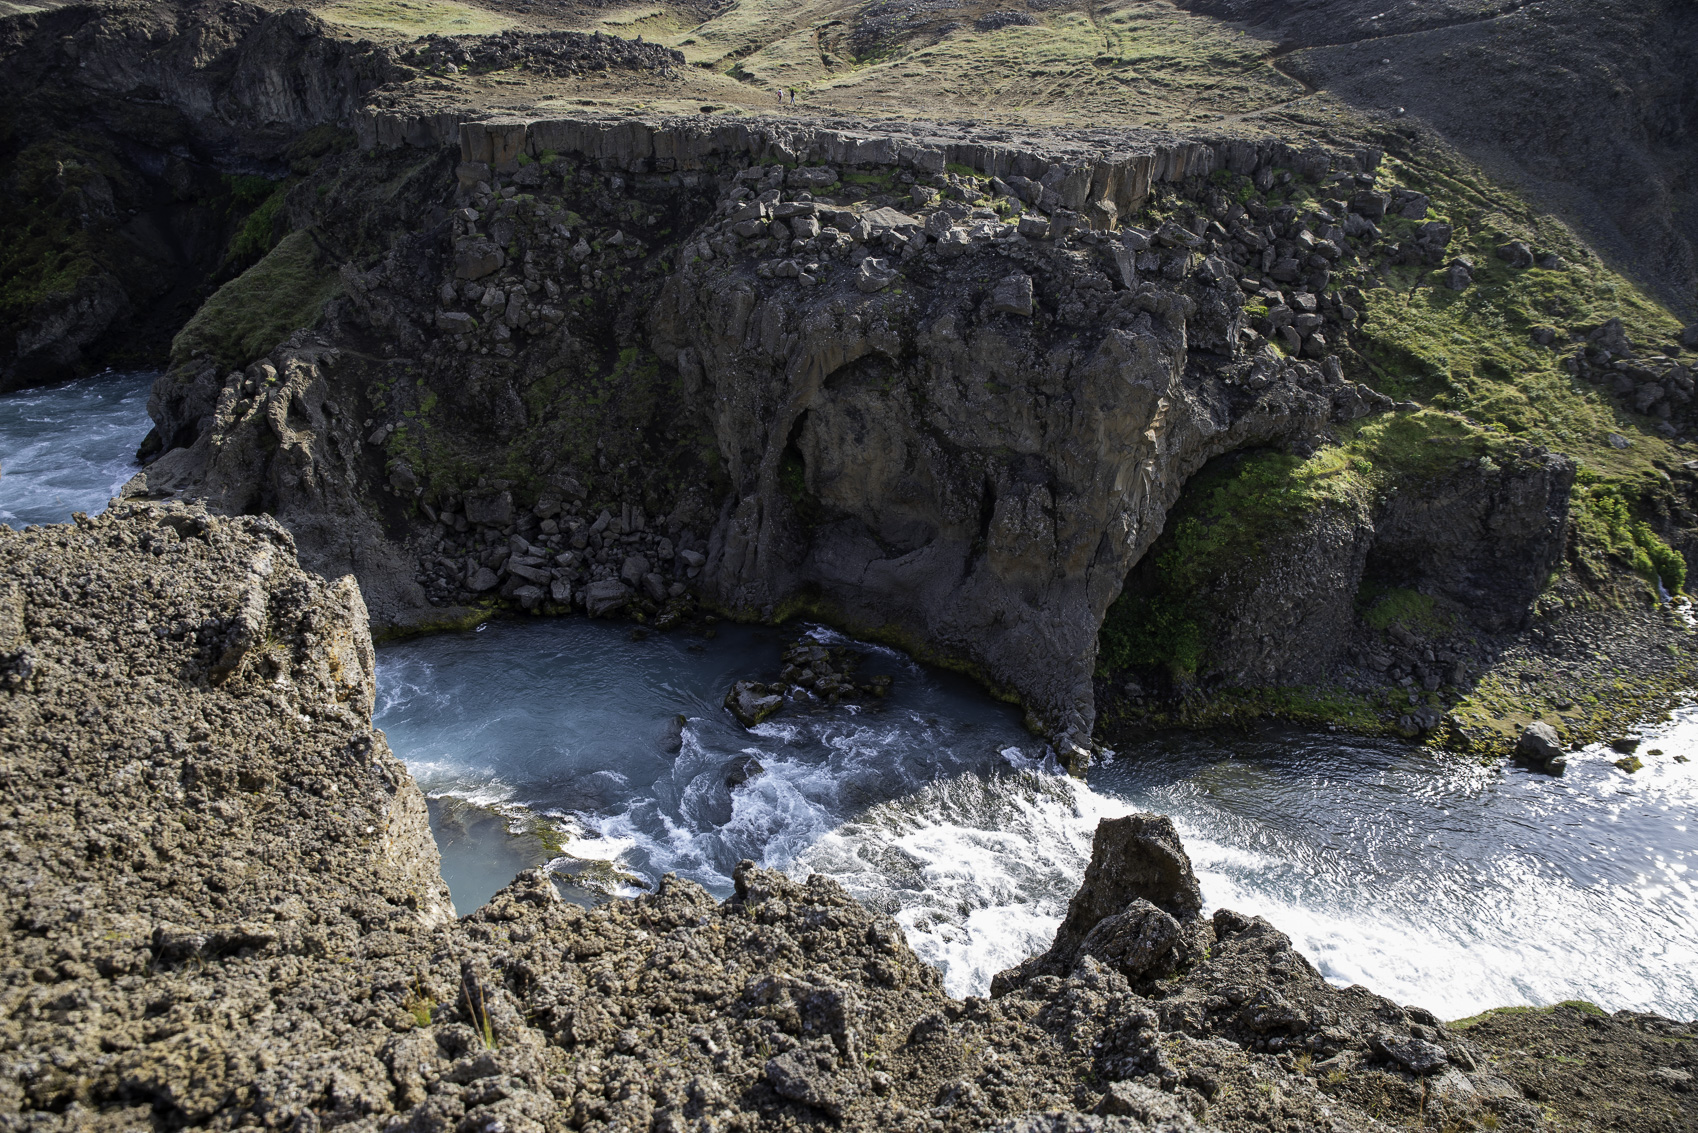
(1430,879)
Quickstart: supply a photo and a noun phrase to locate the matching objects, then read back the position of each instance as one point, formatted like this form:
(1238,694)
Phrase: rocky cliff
(223,912)
(933,388)
(141,139)
(936,384)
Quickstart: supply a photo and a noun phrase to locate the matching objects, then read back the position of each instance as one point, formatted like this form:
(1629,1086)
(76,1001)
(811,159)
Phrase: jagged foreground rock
(956,427)
(222,910)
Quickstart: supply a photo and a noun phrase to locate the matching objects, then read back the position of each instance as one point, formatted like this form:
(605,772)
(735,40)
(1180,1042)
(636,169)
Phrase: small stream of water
(1431,880)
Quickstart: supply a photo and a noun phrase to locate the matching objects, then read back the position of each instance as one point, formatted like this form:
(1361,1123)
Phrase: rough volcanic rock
(1132,911)
(1540,746)
(973,458)
(222,911)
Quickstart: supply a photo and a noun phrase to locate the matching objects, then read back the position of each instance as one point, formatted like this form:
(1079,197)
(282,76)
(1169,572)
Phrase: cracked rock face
(929,423)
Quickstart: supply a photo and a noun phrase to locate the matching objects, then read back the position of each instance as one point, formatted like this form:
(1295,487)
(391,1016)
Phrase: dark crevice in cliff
(143,153)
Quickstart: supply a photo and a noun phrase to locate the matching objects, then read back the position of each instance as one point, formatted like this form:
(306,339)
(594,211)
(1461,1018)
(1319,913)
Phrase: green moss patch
(252,313)
(1579,1005)
(1604,524)
(1227,513)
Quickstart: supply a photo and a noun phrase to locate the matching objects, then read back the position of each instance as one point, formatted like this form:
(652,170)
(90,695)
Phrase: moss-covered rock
(283,292)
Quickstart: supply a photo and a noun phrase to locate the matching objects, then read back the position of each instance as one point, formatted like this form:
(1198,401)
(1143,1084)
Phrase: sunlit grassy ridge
(1491,395)
(415,17)
(1473,350)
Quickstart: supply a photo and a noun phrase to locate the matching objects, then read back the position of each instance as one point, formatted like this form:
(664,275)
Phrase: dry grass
(1126,63)
(414,18)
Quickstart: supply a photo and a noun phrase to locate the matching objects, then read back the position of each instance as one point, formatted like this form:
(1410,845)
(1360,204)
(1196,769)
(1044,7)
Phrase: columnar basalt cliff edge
(956,427)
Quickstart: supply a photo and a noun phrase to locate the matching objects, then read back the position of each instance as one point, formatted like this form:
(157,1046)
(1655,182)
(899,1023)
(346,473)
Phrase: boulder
(474,259)
(1540,747)
(672,735)
(633,569)
(1153,1108)
(1516,254)
(537,575)
(1140,883)
(1033,226)
(1418,1056)
(530,597)
(1370,204)
(1013,296)
(1459,276)
(1612,336)
(1689,337)
(887,217)
(1132,858)
(455,322)
(1139,942)
(489,509)
(796,1075)
(483,579)
(811,177)
(751,703)
(1414,206)
(1171,235)
(874,275)
(606,597)
(740,770)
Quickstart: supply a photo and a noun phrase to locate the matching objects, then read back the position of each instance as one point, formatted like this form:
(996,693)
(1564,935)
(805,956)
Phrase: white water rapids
(1429,879)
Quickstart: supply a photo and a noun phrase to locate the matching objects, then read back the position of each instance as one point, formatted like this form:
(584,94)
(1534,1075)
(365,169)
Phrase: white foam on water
(1436,882)
(1527,938)
(977,870)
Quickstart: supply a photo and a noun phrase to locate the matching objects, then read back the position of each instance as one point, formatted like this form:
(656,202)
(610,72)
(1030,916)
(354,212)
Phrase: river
(1428,878)
(70,447)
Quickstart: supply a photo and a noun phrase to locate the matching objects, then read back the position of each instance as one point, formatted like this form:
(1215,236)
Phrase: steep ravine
(225,913)
(955,428)
(938,386)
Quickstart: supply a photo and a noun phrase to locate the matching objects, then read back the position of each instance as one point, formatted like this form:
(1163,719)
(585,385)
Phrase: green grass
(1490,391)
(261,307)
(1472,351)
(1234,507)
(1580,1005)
(1228,511)
(1603,517)
(1385,607)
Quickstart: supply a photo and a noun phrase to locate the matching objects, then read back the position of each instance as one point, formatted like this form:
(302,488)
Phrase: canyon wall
(954,427)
